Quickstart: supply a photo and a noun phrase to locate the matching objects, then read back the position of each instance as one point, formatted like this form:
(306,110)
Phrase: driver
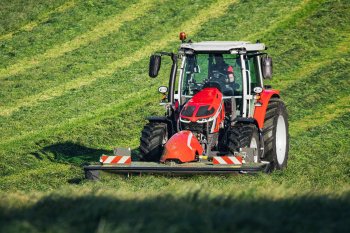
(225,75)
(222,67)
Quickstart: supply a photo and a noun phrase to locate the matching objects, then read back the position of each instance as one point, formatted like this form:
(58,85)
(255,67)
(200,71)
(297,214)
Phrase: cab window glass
(254,72)
(206,69)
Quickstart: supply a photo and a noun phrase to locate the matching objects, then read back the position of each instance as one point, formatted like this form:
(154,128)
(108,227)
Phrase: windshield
(222,71)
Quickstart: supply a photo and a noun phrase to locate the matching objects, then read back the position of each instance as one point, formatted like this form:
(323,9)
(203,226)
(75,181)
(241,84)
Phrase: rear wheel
(154,136)
(244,135)
(275,133)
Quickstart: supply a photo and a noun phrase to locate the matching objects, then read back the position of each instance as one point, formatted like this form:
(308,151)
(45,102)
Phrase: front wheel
(275,133)
(244,136)
(154,136)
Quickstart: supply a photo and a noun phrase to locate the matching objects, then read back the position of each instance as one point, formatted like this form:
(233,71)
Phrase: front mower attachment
(92,172)
(121,163)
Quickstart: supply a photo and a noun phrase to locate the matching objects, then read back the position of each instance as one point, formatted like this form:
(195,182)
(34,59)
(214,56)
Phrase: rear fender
(260,111)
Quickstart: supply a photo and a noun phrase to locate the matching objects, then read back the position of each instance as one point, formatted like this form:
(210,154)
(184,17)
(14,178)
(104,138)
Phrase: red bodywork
(204,105)
(260,111)
(182,146)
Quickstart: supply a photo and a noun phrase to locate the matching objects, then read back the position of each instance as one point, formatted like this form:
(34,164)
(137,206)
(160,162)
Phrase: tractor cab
(232,67)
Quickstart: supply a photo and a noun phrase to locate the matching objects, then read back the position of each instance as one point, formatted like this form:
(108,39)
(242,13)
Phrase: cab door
(253,81)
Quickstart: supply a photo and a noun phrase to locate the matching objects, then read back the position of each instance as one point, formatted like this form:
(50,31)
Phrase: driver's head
(219,59)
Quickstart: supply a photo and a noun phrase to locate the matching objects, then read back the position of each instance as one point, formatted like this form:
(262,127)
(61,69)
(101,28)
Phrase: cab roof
(223,46)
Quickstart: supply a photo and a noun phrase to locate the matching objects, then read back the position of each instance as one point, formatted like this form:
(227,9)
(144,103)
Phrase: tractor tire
(275,134)
(154,136)
(244,135)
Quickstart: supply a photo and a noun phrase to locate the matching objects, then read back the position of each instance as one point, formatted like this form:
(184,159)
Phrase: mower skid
(92,171)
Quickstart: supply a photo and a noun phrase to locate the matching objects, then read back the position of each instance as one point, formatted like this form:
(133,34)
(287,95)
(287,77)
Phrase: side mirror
(154,65)
(266,66)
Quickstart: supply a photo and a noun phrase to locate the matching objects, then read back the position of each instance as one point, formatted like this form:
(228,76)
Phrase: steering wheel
(213,83)
(218,75)
(195,87)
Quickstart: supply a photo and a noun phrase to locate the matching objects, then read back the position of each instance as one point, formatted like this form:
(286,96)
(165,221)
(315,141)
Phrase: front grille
(188,111)
(196,127)
(204,111)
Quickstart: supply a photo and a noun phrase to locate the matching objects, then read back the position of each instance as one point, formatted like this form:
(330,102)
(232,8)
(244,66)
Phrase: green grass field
(74,84)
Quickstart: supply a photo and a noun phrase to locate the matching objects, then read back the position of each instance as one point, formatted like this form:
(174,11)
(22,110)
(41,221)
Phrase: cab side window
(254,72)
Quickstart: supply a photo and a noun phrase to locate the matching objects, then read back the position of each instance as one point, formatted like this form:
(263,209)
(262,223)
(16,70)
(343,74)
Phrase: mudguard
(183,147)
(260,111)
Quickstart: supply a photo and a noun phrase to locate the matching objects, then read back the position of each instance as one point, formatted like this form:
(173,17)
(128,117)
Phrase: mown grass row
(125,57)
(323,115)
(19,15)
(59,28)
(100,30)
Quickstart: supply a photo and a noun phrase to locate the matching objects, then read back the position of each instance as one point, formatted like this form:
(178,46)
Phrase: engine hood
(203,105)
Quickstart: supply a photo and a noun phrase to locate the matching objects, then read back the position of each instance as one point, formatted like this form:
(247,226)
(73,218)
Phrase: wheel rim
(253,143)
(165,139)
(281,140)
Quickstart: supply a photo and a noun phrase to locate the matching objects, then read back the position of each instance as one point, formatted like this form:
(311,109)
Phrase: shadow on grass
(69,152)
(189,213)
(77,155)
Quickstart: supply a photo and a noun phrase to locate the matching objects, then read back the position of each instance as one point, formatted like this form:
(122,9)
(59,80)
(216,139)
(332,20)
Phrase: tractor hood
(203,105)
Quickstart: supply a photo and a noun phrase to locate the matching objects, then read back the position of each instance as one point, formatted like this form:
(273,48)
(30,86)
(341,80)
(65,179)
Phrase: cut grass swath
(101,30)
(191,26)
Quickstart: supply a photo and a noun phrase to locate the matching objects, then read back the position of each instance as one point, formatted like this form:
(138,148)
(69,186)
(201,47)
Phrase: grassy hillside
(74,84)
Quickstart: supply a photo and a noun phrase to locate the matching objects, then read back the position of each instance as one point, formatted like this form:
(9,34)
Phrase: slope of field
(74,84)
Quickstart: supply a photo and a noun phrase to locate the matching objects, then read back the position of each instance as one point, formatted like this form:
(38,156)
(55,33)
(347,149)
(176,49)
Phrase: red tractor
(220,117)
(218,107)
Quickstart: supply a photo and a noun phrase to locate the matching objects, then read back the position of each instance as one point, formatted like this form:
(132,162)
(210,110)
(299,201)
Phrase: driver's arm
(230,74)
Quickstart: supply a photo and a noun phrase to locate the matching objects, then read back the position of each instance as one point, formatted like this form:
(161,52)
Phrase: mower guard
(92,172)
